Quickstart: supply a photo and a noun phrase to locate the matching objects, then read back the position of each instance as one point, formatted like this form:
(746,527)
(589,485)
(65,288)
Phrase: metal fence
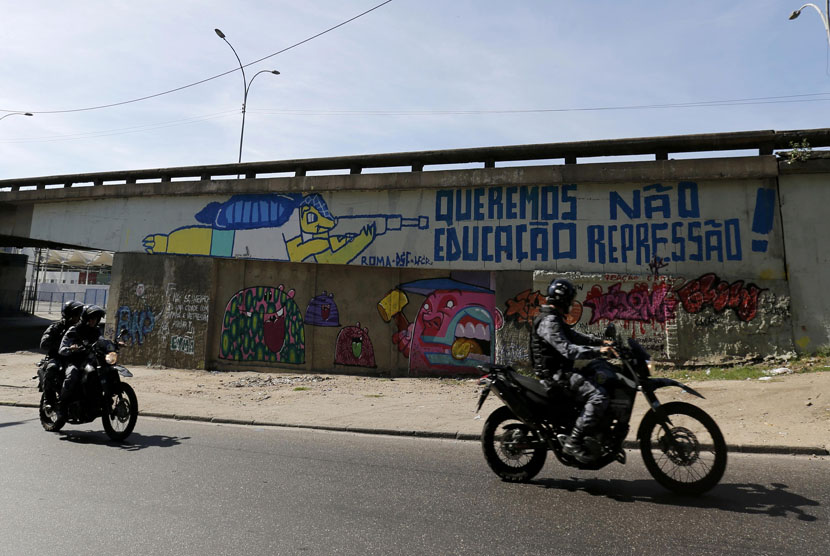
(51,302)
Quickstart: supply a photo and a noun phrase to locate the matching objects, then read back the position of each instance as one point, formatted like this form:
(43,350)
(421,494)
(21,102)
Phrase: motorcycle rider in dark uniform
(554,346)
(52,337)
(74,347)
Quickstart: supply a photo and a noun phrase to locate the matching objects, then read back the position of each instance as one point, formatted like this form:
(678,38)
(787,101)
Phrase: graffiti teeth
(473,331)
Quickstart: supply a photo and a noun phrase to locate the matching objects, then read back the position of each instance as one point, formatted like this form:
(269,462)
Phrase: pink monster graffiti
(453,332)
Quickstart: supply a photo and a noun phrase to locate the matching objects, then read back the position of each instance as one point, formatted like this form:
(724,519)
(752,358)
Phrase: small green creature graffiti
(263,324)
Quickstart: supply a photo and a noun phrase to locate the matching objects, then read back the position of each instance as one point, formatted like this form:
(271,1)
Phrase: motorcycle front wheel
(49,411)
(120,412)
(513,450)
(689,455)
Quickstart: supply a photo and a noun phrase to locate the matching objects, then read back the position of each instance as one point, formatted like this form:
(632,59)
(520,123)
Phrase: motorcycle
(100,393)
(681,445)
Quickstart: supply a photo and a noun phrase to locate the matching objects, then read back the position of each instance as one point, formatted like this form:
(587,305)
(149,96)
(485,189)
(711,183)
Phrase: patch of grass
(301,388)
(712,373)
(805,364)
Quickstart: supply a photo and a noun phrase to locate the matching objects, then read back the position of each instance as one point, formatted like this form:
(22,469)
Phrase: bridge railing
(765,141)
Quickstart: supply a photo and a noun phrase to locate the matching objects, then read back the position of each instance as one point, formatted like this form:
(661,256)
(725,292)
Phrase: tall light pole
(246,86)
(823,15)
(16,114)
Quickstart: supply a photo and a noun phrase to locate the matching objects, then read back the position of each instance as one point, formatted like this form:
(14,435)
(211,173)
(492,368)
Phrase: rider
(74,347)
(554,347)
(51,339)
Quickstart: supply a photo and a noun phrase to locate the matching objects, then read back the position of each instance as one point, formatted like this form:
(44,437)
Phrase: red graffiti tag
(709,290)
(640,304)
(524,306)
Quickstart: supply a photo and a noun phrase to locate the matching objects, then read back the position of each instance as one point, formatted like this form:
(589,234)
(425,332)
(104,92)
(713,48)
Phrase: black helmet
(91,312)
(72,309)
(561,293)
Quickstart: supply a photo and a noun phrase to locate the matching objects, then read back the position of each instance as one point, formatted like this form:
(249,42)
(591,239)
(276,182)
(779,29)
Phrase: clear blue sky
(416,62)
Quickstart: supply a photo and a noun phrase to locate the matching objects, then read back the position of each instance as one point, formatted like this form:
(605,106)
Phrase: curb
(629,444)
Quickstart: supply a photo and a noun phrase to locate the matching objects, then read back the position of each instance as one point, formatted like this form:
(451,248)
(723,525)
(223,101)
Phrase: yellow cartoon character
(315,242)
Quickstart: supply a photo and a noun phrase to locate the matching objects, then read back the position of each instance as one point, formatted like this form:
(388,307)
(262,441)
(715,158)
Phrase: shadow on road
(13,423)
(134,442)
(749,498)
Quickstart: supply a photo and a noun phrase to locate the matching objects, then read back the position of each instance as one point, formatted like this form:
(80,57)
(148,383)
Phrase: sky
(410,75)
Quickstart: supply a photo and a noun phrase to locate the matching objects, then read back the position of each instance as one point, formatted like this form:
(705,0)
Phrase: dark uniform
(82,334)
(52,337)
(554,346)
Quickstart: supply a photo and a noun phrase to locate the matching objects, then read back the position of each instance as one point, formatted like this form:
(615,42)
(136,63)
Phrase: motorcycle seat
(533,385)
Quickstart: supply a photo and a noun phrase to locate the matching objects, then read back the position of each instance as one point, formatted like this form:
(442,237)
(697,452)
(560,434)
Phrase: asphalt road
(188,488)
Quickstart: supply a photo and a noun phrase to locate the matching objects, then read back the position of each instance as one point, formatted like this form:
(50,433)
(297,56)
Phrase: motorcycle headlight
(111,358)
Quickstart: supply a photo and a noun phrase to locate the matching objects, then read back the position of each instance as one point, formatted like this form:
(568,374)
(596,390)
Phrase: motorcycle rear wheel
(48,411)
(689,459)
(512,449)
(120,413)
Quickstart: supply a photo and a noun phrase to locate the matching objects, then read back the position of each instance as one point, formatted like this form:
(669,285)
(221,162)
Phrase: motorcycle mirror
(611,331)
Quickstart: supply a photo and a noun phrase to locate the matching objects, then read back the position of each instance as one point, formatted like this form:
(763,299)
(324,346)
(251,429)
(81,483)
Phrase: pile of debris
(261,382)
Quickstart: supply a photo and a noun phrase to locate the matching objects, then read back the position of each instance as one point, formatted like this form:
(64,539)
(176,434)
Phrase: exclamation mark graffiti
(764,217)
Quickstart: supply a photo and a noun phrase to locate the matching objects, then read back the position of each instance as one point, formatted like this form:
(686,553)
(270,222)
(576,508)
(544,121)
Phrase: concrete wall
(235,314)
(162,305)
(13,284)
(690,257)
(262,315)
(678,227)
(804,202)
(699,320)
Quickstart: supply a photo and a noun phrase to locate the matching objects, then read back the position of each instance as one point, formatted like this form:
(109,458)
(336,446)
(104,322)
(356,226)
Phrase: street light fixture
(823,15)
(16,114)
(246,86)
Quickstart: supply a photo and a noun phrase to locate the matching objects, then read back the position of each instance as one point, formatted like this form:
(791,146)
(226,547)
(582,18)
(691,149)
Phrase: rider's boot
(60,411)
(575,447)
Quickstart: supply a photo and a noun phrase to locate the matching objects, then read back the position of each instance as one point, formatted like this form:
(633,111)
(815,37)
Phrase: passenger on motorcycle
(52,337)
(75,348)
(554,346)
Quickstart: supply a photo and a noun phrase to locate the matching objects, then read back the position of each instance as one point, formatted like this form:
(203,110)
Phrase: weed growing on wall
(800,151)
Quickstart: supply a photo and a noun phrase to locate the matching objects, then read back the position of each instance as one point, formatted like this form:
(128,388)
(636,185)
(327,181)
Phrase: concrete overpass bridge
(431,262)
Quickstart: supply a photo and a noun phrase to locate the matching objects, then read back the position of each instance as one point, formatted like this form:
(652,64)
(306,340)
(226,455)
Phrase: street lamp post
(246,87)
(16,114)
(823,15)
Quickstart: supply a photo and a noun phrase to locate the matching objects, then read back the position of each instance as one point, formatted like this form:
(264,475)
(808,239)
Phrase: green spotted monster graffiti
(263,324)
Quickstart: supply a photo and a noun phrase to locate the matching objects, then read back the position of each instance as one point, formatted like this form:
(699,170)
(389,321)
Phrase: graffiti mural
(524,306)
(711,291)
(136,323)
(642,307)
(285,227)
(640,304)
(354,347)
(263,324)
(322,311)
(454,328)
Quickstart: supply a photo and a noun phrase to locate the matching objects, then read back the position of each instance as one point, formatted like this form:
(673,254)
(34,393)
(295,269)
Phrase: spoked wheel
(49,411)
(120,412)
(512,450)
(689,457)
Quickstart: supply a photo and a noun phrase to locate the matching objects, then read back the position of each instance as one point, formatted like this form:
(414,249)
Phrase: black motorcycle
(100,393)
(681,445)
